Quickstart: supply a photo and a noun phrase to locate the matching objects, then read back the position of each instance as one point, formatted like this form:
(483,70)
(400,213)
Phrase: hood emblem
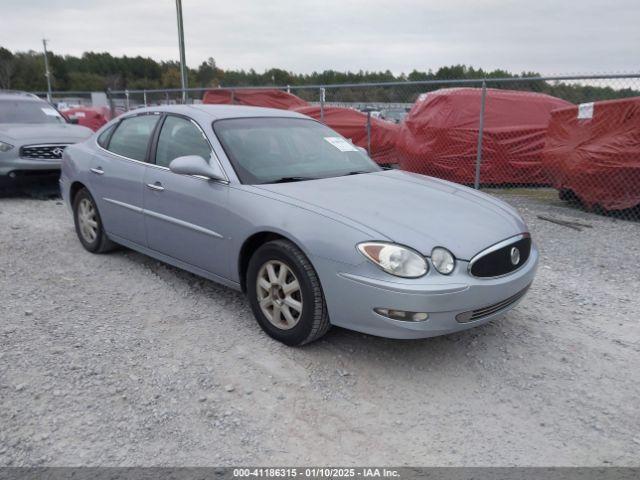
(515,256)
(57,151)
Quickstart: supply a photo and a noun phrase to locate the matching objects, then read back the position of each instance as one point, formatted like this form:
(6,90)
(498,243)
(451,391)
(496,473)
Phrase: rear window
(131,137)
(28,111)
(103,139)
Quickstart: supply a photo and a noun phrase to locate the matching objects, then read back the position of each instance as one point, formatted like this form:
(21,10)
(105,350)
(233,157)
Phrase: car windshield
(28,111)
(272,150)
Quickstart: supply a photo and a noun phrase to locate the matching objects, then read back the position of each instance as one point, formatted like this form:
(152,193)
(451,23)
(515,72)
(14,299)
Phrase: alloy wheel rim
(87,220)
(279,294)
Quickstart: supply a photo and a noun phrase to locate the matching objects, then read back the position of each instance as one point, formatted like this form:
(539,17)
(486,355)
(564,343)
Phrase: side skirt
(175,262)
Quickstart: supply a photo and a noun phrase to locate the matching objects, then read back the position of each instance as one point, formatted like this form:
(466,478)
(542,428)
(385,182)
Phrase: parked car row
(528,138)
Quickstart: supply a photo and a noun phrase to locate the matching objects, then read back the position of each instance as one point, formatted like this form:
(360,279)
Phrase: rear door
(185,216)
(117,176)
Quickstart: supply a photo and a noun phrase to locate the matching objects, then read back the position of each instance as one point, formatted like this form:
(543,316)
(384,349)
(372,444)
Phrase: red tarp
(270,98)
(597,156)
(440,135)
(92,117)
(352,124)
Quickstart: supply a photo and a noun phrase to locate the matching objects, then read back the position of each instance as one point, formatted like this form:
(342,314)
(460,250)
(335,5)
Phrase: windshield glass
(28,111)
(269,150)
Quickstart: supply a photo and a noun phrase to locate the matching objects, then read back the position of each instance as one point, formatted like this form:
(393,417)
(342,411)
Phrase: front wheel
(285,294)
(89,224)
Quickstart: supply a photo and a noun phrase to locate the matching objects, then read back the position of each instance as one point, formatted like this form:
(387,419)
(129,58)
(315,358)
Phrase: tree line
(100,71)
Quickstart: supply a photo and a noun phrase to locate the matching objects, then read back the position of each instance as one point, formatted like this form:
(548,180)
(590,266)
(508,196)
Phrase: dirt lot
(120,360)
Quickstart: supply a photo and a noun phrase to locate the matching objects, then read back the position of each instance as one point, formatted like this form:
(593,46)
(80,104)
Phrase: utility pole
(46,70)
(183,66)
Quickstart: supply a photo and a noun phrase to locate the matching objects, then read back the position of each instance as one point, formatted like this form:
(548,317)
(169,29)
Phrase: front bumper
(9,164)
(352,297)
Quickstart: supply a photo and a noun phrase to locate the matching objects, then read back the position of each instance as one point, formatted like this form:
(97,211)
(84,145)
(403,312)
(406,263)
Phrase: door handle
(156,187)
(97,171)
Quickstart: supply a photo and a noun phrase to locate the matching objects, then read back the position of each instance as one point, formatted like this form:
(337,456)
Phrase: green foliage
(101,70)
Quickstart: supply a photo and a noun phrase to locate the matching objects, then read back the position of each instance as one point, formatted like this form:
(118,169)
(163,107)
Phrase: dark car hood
(45,132)
(411,209)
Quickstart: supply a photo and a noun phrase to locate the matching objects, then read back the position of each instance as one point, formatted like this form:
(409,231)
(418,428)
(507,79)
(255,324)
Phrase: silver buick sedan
(280,206)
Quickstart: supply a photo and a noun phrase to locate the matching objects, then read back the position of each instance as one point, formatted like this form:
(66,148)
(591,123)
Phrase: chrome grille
(42,152)
(479,313)
(497,261)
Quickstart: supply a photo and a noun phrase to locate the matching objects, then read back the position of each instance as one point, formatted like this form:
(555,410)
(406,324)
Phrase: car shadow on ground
(38,188)
(337,340)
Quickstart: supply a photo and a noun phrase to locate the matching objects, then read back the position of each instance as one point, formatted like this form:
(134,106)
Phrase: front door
(185,216)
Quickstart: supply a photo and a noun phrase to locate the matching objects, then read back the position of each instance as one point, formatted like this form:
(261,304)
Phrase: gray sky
(552,37)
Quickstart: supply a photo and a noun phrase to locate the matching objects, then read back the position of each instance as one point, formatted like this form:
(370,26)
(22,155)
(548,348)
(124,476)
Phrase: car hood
(414,210)
(45,132)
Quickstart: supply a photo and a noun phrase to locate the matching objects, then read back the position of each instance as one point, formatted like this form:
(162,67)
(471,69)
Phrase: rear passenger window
(180,137)
(103,139)
(132,136)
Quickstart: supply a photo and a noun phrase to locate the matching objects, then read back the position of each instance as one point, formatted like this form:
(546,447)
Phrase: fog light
(402,315)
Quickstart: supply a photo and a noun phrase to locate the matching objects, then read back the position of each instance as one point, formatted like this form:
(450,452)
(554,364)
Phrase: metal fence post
(476,183)
(166,97)
(126,94)
(112,106)
(369,132)
(322,98)
(144,97)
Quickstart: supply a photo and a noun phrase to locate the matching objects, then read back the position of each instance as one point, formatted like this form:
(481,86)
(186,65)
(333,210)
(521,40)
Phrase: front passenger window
(180,137)
(132,136)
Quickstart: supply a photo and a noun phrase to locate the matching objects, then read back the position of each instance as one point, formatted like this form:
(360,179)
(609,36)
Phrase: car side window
(180,137)
(131,137)
(103,139)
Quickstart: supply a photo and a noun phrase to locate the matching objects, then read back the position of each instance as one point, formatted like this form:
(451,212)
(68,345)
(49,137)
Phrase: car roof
(19,95)
(218,112)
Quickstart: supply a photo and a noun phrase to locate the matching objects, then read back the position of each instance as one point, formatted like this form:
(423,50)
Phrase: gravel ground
(118,359)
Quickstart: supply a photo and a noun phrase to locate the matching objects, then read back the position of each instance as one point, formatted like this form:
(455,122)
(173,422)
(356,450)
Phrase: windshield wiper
(291,179)
(356,172)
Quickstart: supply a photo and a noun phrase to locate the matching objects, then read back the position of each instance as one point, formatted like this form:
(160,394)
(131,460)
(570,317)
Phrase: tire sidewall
(303,328)
(90,246)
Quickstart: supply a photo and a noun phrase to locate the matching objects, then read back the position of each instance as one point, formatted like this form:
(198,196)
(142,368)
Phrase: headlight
(443,260)
(5,147)
(395,259)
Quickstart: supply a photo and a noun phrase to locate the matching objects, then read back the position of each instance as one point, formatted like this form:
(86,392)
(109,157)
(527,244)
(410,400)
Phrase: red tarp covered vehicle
(91,117)
(270,98)
(352,124)
(594,151)
(440,135)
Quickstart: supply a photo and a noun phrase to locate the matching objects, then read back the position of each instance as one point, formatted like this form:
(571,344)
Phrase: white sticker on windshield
(50,111)
(585,110)
(341,144)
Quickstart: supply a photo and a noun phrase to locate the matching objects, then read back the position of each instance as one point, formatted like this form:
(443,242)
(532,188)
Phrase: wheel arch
(75,187)
(250,245)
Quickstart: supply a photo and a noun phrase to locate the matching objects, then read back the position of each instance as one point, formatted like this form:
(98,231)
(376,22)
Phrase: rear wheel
(88,224)
(285,294)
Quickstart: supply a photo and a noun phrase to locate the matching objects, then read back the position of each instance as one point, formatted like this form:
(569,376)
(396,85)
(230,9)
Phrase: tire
(311,320)
(99,242)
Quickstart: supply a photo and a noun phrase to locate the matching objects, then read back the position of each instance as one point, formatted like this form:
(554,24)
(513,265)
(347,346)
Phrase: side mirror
(73,121)
(196,165)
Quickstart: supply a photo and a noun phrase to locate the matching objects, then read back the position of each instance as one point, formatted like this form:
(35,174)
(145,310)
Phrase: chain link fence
(576,138)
